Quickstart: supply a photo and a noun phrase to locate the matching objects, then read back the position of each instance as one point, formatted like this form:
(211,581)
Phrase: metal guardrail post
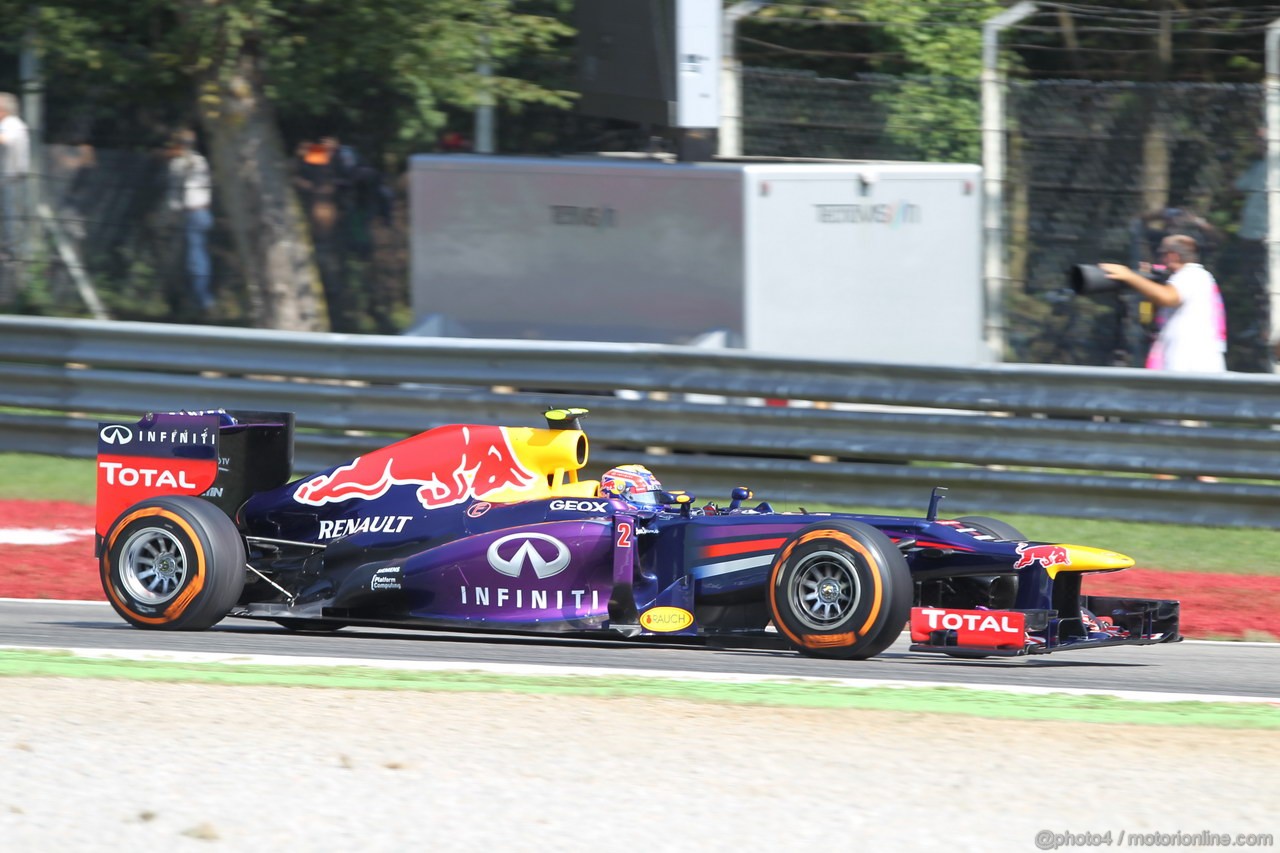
(1272,87)
(994,272)
(730,135)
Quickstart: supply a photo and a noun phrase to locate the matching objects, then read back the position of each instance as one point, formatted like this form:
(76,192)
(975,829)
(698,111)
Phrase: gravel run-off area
(112,765)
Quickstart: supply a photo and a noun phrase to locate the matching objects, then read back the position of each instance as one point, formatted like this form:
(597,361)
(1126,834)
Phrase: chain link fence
(1101,171)
(788,113)
(1097,171)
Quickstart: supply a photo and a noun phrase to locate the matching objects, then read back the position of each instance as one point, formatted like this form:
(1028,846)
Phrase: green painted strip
(934,700)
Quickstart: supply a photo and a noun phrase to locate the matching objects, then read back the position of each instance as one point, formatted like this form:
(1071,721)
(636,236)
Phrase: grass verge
(806,694)
(31,477)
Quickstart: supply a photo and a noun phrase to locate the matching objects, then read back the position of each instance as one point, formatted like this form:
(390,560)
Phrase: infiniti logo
(528,553)
(116,434)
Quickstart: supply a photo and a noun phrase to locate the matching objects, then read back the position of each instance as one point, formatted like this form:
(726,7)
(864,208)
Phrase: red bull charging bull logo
(1045,555)
(448,465)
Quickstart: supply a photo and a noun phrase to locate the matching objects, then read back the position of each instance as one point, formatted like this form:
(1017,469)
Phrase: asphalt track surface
(1228,669)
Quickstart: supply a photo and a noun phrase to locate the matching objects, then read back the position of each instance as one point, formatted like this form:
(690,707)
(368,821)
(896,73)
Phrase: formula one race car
(473,527)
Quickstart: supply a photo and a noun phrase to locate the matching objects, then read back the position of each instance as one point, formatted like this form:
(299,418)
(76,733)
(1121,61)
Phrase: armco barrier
(1034,438)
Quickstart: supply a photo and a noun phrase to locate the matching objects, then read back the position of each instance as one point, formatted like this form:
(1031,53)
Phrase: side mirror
(682,500)
(738,495)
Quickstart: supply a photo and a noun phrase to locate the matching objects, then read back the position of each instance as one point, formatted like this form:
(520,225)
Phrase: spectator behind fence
(1189,312)
(190,192)
(322,186)
(15,160)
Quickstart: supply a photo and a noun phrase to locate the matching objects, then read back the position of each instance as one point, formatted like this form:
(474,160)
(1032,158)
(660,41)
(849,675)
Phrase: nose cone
(1082,558)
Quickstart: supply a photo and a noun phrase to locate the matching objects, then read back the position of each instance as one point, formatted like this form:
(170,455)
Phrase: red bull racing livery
(490,528)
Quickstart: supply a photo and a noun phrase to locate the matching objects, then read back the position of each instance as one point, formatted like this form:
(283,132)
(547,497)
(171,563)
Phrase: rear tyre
(173,563)
(840,589)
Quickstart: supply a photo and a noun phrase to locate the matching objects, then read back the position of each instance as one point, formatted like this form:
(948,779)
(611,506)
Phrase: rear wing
(221,456)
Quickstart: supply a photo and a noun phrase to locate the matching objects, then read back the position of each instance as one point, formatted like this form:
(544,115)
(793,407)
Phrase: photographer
(1189,311)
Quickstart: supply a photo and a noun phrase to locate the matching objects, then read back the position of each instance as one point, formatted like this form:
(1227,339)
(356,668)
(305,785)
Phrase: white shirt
(1193,336)
(190,187)
(15,157)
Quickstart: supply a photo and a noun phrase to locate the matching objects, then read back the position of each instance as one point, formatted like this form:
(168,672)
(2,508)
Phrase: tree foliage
(390,68)
(925,45)
(123,73)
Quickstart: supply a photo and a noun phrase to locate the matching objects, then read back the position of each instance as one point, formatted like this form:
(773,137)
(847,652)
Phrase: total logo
(581,506)
(952,620)
(546,555)
(118,474)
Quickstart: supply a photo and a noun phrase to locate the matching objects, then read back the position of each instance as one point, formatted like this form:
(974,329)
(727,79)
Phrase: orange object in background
(316,154)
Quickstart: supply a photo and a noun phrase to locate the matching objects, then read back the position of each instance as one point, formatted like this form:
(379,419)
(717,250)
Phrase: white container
(866,261)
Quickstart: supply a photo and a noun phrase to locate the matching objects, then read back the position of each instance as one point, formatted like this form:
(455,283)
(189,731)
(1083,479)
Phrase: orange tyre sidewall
(877,582)
(174,609)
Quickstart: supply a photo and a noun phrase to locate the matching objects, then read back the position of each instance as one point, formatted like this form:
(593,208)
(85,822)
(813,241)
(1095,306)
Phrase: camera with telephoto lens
(1088,279)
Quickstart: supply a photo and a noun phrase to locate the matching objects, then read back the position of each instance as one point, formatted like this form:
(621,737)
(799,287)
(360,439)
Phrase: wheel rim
(153,565)
(825,590)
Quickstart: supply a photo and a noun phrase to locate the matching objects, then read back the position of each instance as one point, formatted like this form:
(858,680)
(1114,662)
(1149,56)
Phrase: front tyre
(994,526)
(840,589)
(173,563)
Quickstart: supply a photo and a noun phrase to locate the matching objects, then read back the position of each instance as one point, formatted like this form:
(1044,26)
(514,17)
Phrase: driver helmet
(634,483)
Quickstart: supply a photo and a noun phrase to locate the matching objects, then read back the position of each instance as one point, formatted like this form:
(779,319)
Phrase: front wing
(1102,621)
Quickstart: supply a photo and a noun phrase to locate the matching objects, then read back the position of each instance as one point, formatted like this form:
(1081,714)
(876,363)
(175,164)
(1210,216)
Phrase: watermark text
(1047,839)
